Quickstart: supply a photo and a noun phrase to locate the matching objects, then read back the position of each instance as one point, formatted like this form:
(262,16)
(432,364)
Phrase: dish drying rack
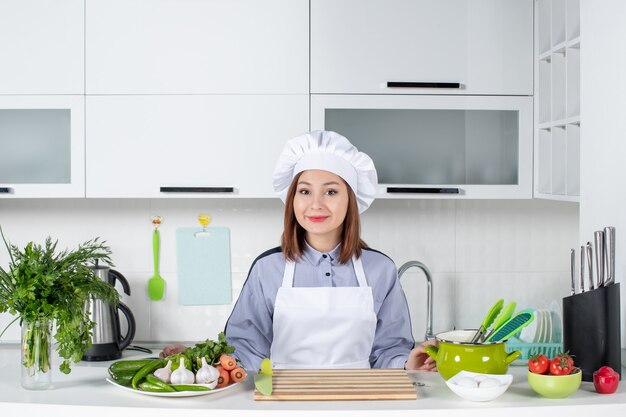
(529,349)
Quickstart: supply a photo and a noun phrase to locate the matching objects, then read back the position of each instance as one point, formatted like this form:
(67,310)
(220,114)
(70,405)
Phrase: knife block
(591,329)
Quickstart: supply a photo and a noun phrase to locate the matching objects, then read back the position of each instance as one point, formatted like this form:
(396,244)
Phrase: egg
(489,383)
(467,382)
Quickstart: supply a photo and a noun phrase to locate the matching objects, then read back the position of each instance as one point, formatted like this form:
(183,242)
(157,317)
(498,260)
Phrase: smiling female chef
(323,299)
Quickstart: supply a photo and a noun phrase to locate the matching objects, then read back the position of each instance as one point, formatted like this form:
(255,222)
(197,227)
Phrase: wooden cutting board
(339,385)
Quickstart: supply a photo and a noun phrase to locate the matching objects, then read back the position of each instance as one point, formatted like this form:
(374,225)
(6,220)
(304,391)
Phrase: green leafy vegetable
(41,284)
(210,350)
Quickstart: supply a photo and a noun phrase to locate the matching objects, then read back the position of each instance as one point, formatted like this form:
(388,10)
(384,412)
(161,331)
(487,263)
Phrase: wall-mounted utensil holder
(591,329)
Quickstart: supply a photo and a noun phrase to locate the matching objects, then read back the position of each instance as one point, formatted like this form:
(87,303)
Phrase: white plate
(557,327)
(172,394)
(549,327)
(542,327)
(539,329)
(528,333)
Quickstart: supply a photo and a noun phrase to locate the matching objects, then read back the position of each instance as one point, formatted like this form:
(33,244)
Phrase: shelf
(560,48)
(570,198)
(557,97)
(545,56)
(574,43)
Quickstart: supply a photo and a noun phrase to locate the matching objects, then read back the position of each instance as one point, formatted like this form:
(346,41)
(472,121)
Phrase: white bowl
(478,393)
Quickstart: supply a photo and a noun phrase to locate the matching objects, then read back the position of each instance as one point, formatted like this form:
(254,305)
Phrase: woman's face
(320,205)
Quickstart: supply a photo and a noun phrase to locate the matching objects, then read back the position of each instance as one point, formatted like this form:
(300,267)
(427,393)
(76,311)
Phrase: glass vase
(36,354)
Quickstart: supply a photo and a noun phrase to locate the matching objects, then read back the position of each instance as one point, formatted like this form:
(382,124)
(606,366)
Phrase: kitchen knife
(573,270)
(599,240)
(609,248)
(589,265)
(582,269)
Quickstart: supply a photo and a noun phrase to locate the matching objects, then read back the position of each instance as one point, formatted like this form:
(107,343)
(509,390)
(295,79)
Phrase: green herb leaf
(42,283)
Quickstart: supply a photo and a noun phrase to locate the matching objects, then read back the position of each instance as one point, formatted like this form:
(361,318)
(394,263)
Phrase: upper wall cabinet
(153,146)
(197,46)
(360,46)
(42,146)
(42,47)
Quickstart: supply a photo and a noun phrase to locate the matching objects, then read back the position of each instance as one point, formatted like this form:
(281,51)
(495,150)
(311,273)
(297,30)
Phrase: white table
(85,393)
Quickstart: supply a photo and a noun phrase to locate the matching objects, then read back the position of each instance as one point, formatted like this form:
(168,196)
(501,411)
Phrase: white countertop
(85,393)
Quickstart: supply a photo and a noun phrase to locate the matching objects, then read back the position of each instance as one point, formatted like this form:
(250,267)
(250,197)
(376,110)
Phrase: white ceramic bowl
(478,393)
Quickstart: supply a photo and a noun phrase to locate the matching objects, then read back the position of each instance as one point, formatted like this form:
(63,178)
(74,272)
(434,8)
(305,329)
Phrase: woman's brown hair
(293,238)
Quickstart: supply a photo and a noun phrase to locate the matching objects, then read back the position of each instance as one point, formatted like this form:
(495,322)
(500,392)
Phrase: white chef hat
(327,151)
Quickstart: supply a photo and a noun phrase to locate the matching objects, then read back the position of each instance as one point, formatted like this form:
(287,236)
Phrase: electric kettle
(107,342)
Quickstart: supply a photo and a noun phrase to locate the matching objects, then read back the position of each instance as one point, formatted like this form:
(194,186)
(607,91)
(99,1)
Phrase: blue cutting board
(203,261)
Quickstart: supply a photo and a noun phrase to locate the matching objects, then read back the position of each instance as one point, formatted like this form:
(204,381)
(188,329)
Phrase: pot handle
(512,356)
(432,351)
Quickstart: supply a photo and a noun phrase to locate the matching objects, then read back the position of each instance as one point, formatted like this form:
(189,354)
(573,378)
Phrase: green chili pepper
(145,370)
(146,386)
(190,388)
(150,378)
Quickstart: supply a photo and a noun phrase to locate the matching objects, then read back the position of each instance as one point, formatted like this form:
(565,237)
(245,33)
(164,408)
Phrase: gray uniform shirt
(249,328)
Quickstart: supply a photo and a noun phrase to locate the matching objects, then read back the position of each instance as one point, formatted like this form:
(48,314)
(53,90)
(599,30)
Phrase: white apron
(323,327)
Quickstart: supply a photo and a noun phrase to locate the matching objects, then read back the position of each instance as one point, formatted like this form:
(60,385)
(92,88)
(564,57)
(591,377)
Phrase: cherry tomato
(538,364)
(605,380)
(562,364)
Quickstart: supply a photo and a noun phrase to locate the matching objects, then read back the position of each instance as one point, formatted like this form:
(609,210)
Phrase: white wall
(603,137)
(477,250)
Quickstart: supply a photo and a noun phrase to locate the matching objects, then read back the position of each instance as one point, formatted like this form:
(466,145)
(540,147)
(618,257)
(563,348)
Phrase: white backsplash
(477,250)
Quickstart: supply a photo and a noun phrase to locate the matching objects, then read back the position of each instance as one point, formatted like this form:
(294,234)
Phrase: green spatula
(156,284)
(489,318)
(512,326)
(506,314)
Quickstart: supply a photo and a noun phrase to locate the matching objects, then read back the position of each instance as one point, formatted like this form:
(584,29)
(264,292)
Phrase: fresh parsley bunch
(210,350)
(41,284)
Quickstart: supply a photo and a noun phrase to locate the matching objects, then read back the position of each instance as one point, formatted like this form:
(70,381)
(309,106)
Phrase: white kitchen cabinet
(42,146)
(437,146)
(197,46)
(42,47)
(557,100)
(138,144)
(358,46)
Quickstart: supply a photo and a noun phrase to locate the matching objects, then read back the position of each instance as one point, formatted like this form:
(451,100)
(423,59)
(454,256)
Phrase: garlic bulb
(182,375)
(164,374)
(207,375)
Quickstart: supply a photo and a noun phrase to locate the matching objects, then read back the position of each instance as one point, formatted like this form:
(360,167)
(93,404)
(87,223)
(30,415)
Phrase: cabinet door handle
(197,189)
(416,190)
(421,84)
(6,190)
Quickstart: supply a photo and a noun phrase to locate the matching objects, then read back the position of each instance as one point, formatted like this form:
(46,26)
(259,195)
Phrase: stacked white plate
(545,328)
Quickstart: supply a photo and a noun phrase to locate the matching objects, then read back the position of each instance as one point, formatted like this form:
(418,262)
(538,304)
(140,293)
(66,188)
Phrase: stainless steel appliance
(107,341)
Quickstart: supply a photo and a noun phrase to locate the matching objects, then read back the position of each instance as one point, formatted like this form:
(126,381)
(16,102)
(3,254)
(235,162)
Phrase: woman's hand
(172,350)
(419,360)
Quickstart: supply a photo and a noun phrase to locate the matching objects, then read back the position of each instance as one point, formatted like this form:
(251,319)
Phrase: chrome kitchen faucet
(429,297)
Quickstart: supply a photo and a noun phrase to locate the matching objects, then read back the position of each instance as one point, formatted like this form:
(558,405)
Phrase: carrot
(237,374)
(227,362)
(223,379)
